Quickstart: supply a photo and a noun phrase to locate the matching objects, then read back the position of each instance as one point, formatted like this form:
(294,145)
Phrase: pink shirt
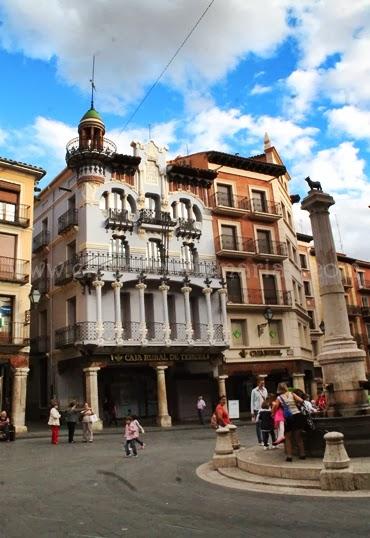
(131,431)
(279,415)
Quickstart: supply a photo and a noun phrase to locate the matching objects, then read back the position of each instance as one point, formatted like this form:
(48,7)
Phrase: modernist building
(131,309)
(256,247)
(17,183)
(356,283)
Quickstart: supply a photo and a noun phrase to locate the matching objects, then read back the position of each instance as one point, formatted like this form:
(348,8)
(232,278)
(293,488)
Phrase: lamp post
(34,297)
(268,315)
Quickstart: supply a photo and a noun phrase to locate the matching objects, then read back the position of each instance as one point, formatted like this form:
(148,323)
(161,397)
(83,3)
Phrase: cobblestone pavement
(93,491)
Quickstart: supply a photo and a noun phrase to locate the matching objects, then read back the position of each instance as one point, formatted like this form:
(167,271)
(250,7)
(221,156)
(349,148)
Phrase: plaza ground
(93,491)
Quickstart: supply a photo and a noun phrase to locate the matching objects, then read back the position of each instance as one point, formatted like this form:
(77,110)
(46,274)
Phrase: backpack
(287,412)
(214,422)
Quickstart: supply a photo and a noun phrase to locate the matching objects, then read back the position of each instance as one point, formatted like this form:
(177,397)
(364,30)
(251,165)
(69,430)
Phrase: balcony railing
(364,285)
(16,214)
(347,281)
(86,332)
(14,333)
(65,271)
(234,243)
(188,228)
(353,310)
(40,240)
(154,217)
(272,248)
(40,344)
(13,270)
(92,261)
(68,220)
(260,297)
(230,201)
(107,146)
(265,206)
(118,219)
(365,311)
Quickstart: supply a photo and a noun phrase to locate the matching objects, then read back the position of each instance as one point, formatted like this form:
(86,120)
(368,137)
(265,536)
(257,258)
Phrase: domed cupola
(91,130)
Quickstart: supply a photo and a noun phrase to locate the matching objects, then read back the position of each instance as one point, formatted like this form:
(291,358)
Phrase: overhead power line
(167,66)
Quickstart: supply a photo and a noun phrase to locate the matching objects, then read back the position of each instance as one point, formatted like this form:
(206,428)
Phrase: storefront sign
(233,407)
(264,352)
(163,357)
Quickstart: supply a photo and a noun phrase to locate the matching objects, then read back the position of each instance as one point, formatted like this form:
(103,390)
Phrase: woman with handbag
(54,422)
(87,415)
(294,420)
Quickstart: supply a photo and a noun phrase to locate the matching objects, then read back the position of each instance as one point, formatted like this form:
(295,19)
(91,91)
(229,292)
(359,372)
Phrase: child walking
(266,422)
(131,433)
(279,422)
(140,429)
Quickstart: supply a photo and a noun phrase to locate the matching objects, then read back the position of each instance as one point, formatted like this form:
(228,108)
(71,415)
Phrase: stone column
(91,390)
(143,330)
(118,329)
(313,389)
(19,394)
(189,328)
(298,382)
(222,386)
(210,330)
(167,329)
(225,322)
(342,363)
(224,454)
(163,418)
(98,284)
(140,181)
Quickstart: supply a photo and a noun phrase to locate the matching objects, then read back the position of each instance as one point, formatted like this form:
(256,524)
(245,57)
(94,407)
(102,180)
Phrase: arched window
(197,213)
(120,252)
(174,210)
(103,202)
(130,205)
(184,209)
(189,256)
(117,199)
(154,254)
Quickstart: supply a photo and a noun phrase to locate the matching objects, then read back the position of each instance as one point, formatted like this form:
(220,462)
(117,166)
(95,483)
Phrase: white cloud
(341,172)
(259,89)
(303,86)
(351,121)
(133,41)
(3,136)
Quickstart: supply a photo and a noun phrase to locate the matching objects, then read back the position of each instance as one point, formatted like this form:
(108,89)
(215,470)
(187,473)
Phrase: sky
(298,69)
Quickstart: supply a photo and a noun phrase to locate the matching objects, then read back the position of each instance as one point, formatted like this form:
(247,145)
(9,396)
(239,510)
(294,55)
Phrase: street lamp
(34,296)
(268,315)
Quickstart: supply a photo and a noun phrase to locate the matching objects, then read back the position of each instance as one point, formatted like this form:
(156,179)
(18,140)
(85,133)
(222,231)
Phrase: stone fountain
(342,362)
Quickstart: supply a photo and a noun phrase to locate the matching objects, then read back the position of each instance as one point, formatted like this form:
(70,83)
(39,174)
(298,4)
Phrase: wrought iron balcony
(265,209)
(347,281)
(40,240)
(364,285)
(40,344)
(266,248)
(93,261)
(353,310)
(154,217)
(85,333)
(105,146)
(234,246)
(254,297)
(225,203)
(13,270)
(65,271)
(365,311)
(188,229)
(14,334)
(118,219)
(16,214)
(67,220)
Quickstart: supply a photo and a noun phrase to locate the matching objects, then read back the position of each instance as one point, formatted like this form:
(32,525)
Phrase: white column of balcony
(118,329)
(163,418)
(98,284)
(189,328)
(210,330)
(167,329)
(143,328)
(19,391)
(92,394)
(225,324)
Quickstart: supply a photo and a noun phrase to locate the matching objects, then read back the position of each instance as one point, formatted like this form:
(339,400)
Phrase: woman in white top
(87,432)
(54,423)
(294,422)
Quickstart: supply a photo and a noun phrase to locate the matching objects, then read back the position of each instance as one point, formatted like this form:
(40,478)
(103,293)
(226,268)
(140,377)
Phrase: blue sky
(299,70)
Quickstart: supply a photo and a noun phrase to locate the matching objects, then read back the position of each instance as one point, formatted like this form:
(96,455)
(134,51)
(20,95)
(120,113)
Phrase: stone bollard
(224,454)
(234,436)
(337,473)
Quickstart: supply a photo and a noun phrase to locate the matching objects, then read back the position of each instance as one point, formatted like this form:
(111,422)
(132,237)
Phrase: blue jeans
(130,443)
(258,429)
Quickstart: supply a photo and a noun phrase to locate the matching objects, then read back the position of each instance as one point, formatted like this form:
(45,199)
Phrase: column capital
(224,376)
(207,291)
(98,283)
(186,289)
(222,291)
(317,202)
(116,284)
(163,287)
(21,371)
(161,368)
(91,370)
(298,375)
(141,286)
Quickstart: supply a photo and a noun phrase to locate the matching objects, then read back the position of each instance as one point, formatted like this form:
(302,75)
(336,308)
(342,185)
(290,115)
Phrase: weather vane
(92,81)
